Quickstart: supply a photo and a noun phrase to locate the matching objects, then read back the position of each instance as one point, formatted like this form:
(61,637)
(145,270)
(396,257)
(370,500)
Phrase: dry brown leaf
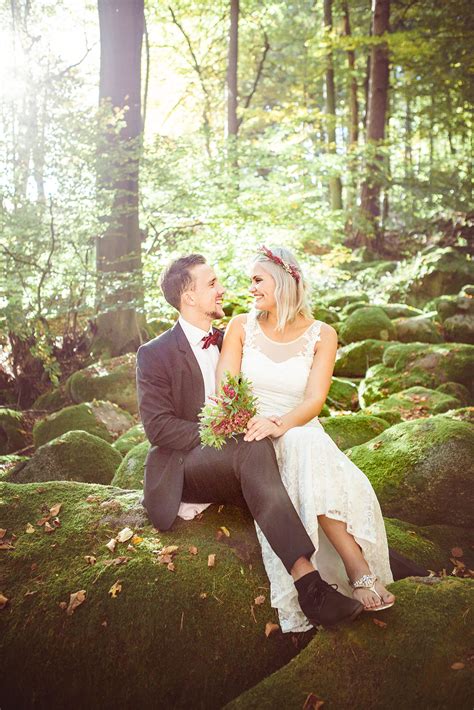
(171,567)
(29,529)
(6,545)
(270,628)
(63,605)
(115,589)
(203,595)
(75,600)
(211,560)
(259,600)
(193,550)
(220,509)
(457,552)
(376,445)
(164,559)
(90,559)
(56,522)
(130,548)
(169,550)
(3,601)
(92,499)
(124,535)
(312,702)
(54,511)
(382,624)
(48,528)
(3,532)
(458,666)
(122,560)
(30,594)
(225,530)
(112,544)
(44,520)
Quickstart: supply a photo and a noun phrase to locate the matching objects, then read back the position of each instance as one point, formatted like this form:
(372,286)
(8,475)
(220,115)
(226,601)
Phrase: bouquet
(228,413)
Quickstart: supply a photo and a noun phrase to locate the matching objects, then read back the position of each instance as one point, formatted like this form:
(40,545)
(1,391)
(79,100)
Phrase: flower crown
(289,268)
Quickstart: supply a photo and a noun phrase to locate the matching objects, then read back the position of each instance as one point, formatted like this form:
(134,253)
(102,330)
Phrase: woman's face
(262,288)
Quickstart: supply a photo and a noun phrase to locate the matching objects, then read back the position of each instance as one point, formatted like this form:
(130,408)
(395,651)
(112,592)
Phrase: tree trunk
(353,100)
(335,186)
(378,95)
(118,249)
(232,64)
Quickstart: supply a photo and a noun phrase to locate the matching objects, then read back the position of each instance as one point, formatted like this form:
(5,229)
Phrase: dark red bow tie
(211,339)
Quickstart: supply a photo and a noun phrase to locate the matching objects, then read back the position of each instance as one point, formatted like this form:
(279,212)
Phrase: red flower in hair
(289,268)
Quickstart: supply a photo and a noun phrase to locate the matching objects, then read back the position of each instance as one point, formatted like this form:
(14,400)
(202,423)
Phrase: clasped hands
(260,427)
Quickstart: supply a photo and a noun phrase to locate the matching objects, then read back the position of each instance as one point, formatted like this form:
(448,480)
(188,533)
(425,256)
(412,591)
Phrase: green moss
(178,639)
(354,359)
(75,417)
(337,300)
(420,329)
(74,456)
(422,470)
(131,471)
(53,400)
(460,392)
(464,414)
(351,307)
(439,363)
(12,435)
(327,315)
(415,402)
(131,438)
(112,380)
(400,310)
(342,394)
(353,429)
(406,664)
(368,322)
(381,381)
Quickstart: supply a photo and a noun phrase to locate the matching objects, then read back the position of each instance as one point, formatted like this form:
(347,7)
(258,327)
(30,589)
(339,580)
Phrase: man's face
(206,293)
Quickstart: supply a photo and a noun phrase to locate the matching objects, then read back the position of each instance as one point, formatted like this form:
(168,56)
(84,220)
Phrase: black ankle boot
(322,604)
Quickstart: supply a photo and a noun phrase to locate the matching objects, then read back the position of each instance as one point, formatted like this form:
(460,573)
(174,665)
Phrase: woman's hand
(260,427)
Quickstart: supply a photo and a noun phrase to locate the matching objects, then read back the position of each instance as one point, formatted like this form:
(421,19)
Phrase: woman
(289,358)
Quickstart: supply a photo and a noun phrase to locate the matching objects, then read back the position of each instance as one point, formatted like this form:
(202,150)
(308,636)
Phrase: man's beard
(214,315)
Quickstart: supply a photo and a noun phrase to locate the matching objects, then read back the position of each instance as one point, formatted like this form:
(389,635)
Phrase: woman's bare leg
(353,559)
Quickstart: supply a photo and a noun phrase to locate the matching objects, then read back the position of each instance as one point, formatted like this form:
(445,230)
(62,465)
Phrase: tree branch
(257,76)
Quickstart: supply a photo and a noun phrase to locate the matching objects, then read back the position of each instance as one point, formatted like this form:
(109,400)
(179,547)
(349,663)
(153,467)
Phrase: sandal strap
(367,581)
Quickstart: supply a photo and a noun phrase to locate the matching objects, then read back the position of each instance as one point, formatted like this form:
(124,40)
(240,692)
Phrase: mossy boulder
(12,434)
(418,329)
(191,635)
(74,456)
(342,298)
(112,380)
(53,400)
(353,429)
(327,315)
(132,437)
(351,307)
(131,471)
(464,414)
(415,402)
(422,470)
(400,310)
(459,328)
(342,394)
(460,392)
(364,323)
(353,360)
(448,306)
(405,662)
(103,419)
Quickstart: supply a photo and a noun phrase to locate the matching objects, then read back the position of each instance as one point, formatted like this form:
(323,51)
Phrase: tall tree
(335,185)
(232,65)
(376,120)
(118,248)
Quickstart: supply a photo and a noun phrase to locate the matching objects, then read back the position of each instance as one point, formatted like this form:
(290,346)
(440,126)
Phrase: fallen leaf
(312,702)
(43,521)
(75,600)
(376,445)
(136,540)
(457,552)
(122,560)
(270,628)
(169,549)
(56,522)
(3,532)
(171,567)
(193,550)
(131,548)
(164,559)
(54,511)
(112,544)
(458,666)
(90,559)
(30,594)
(104,624)
(211,560)
(203,595)
(259,600)
(220,508)
(63,605)
(382,624)
(6,545)
(48,528)
(29,529)
(115,589)
(225,530)
(124,535)
(3,601)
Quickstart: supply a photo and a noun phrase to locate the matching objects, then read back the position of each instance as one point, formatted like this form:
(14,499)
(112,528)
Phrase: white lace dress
(318,476)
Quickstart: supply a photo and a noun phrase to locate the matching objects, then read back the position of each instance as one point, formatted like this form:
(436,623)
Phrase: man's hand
(260,427)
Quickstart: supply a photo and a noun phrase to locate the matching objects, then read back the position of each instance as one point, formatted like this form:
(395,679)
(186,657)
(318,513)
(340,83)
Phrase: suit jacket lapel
(194,384)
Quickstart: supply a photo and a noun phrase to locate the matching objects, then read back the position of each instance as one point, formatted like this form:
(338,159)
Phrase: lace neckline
(286,342)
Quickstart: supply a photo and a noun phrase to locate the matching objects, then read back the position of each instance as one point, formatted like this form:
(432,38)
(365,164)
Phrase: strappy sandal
(367,581)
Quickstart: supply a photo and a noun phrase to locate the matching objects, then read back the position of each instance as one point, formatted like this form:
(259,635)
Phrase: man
(175,374)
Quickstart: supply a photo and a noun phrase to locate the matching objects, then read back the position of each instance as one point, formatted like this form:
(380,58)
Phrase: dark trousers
(246,474)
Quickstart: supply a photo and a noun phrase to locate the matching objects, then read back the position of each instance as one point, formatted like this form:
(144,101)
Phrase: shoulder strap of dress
(250,327)
(313,336)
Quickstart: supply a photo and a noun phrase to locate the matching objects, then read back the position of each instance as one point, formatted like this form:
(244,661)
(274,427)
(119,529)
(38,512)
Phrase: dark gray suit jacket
(170,391)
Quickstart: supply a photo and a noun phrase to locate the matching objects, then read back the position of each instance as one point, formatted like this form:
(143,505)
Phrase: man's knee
(255,454)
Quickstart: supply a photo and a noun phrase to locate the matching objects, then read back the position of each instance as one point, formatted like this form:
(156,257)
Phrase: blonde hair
(291,296)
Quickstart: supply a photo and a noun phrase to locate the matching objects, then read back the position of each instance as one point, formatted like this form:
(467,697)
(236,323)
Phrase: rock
(327,315)
(353,360)
(342,394)
(351,307)
(400,310)
(408,663)
(337,300)
(9,461)
(131,471)
(369,322)
(169,639)
(353,429)
(415,402)
(103,419)
(74,456)
(12,435)
(459,328)
(132,437)
(422,470)
(460,392)
(464,414)
(112,380)
(381,381)
(52,400)
(417,329)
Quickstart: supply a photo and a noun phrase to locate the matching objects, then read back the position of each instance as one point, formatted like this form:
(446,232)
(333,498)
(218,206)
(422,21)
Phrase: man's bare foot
(371,600)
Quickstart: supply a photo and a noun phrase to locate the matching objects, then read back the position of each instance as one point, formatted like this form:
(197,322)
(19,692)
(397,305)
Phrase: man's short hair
(177,278)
